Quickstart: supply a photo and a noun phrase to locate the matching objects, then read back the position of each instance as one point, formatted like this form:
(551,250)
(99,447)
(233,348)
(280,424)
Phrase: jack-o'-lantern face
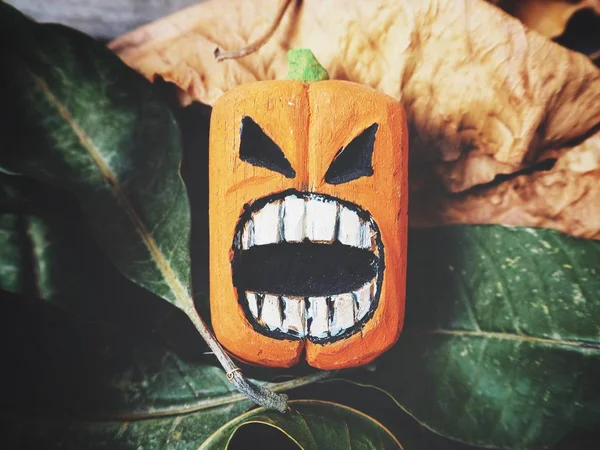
(308,203)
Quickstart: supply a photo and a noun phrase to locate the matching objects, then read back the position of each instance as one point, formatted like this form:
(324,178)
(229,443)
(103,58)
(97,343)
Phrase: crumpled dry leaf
(566,197)
(484,95)
(548,17)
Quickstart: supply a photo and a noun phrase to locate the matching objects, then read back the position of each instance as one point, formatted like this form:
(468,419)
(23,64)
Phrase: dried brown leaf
(548,17)
(566,197)
(484,95)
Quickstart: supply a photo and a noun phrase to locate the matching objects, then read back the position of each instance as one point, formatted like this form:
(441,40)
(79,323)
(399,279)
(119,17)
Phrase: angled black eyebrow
(260,150)
(355,160)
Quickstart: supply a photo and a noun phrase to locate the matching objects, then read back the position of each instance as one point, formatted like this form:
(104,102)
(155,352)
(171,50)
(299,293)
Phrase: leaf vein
(512,337)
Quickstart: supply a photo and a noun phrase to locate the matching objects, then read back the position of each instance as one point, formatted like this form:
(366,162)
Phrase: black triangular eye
(259,149)
(354,160)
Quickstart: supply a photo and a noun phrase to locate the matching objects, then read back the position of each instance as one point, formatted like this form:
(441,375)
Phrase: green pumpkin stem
(303,66)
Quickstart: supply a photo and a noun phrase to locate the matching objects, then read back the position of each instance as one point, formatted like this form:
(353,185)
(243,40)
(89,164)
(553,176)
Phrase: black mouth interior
(304,269)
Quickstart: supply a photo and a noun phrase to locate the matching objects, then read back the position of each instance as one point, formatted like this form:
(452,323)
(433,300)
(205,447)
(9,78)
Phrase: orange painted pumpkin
(308,221)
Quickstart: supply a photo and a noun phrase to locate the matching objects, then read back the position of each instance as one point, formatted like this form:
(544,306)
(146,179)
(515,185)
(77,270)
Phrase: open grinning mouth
(307,265)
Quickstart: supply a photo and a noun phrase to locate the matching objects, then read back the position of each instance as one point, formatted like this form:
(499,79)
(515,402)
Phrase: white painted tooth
(349,229)
(252,303)
(363,298)
(374,286)
(294,316)
(343,313)
(266,224)
(319,314)
(271,312)
(366,234)
(372,234)
(293,219)
(248,235)
(321,216)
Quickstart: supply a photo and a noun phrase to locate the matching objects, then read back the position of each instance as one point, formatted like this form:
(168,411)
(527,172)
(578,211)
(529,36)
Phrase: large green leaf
(74,116)
(77,118)
(311,425)
(501,346)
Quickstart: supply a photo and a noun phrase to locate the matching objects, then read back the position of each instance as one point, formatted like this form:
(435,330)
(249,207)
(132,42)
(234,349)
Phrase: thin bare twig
(258,394)
(254,46)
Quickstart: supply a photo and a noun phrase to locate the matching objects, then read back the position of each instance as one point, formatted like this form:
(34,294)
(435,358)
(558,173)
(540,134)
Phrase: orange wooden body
(310,122)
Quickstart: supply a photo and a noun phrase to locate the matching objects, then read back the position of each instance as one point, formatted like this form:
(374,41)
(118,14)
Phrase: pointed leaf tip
(303,66)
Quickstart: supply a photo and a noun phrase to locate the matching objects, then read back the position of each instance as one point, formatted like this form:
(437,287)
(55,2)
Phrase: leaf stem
(258,394)
(256,45)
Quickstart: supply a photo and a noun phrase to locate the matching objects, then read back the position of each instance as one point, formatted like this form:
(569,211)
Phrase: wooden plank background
(104,19)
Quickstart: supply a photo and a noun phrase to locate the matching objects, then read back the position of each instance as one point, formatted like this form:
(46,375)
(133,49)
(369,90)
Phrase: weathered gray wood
(103,19)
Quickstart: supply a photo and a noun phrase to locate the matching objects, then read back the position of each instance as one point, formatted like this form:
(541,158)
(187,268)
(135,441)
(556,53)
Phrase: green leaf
(21,203)
(12,257)
(56,260)
(77,118)
(78,384)
(87,385)
(31,251)
(172,432)
(311,425)
(47,252)
(382,408)
(502,349)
